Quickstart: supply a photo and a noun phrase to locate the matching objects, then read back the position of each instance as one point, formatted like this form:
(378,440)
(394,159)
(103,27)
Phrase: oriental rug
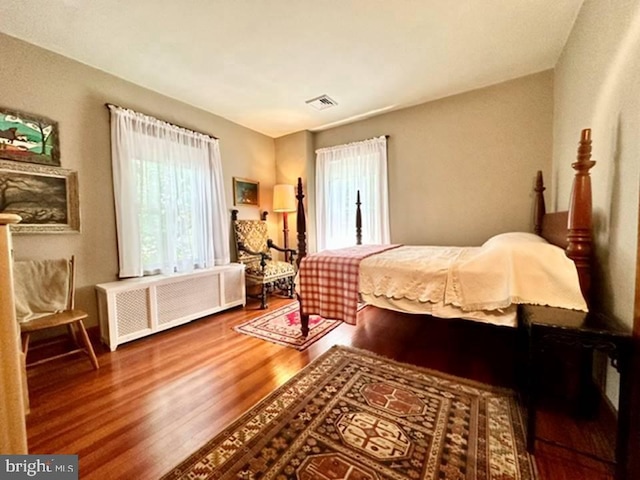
(354,415)
(282,326)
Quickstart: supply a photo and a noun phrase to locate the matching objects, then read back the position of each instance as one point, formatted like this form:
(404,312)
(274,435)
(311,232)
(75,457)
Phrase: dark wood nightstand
(589,332)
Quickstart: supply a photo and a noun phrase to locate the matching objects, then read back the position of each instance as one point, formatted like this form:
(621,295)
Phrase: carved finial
(299,193)
(584,163)
(263,216)
(301,224)
(539,205)
(358,220)
(234,215)
(539,183)
(580,248)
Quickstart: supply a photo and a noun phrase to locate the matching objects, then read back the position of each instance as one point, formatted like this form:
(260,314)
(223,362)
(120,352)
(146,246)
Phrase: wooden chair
(254,251)
(69,317)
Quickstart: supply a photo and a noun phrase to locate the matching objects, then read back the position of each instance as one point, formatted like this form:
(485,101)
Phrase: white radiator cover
(137,307)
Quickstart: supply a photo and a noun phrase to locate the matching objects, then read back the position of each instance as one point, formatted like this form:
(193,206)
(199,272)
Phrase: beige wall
(461,169)
(43,83)
(598,86)
(294,158)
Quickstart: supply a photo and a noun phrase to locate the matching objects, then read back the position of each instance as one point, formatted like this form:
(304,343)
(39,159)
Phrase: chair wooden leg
(87,344)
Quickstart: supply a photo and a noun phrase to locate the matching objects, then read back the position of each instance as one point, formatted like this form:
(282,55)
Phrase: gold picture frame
(45,197)
(246,192)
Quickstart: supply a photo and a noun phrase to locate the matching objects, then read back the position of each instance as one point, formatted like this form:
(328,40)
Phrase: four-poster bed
(323,279)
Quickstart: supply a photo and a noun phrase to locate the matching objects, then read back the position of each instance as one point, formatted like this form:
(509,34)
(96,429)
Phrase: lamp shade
(284,198)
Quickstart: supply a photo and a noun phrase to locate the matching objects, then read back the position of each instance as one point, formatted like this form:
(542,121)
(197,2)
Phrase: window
(340,172)
(170,206)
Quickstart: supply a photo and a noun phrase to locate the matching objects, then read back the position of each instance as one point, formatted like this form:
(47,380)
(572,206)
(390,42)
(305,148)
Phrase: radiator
(134,308)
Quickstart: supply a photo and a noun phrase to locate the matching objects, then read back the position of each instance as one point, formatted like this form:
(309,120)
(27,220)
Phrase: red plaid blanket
(329,281)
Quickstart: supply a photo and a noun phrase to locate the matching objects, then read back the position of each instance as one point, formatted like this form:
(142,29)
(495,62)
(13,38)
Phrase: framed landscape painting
(45,197)
(29,139)
(246,192)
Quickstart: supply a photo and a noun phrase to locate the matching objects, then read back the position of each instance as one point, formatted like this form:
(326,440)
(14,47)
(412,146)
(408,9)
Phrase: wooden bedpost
(539,208)
(579,223)
(301,224)
(358,220)
(301,227)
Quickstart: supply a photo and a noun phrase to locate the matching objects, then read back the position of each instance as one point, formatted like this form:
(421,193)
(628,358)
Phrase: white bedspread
(507,270)
(503,317)
(498,275)
(416,273)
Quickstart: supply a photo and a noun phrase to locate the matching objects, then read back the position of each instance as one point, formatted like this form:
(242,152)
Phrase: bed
(548,267)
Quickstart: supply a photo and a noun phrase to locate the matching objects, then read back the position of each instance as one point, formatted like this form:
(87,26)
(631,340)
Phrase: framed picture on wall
(28,138)
(246,192)
(45,197)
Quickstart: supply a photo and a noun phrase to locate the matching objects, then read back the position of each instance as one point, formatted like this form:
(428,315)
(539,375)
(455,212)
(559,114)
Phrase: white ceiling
(255,62)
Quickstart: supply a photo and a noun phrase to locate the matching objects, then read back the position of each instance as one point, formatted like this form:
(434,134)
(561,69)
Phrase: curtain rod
(169,123)
(323,149)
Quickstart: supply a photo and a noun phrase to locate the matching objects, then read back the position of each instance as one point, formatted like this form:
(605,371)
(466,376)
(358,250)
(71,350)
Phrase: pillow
(510,238)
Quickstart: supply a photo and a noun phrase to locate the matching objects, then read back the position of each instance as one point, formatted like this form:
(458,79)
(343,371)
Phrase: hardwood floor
(156,400)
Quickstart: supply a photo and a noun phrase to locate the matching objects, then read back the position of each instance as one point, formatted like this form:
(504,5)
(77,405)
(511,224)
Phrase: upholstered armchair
(262,272)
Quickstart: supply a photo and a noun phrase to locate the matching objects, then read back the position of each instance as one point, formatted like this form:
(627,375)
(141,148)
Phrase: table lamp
(284,201)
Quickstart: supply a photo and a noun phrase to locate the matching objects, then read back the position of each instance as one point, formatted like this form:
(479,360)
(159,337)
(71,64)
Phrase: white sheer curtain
(169,195)
(340,172)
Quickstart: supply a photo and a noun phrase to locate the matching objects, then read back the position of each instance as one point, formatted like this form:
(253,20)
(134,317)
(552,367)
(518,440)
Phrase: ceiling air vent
(322,102)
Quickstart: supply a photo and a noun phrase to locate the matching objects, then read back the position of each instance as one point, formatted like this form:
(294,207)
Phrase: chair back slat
(72,283)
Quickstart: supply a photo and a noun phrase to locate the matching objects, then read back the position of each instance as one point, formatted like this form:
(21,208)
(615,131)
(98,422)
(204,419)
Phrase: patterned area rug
(353,415)
(282,326)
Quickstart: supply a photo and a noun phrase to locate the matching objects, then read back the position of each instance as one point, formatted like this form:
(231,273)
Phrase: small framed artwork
(28,138)
(45,197)
(246,192)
